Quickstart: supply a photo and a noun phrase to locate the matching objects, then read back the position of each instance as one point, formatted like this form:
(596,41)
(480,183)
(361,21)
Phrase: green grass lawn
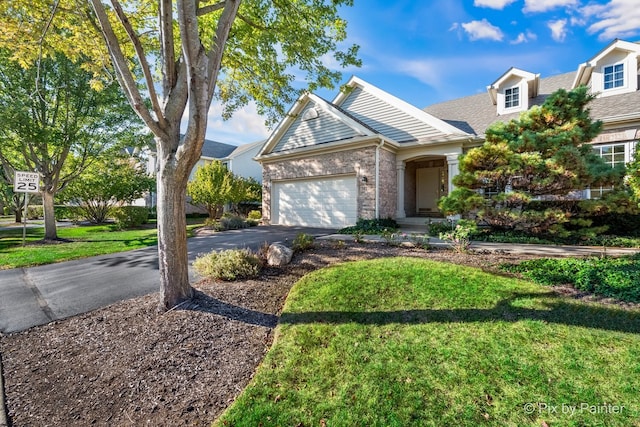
(402,341)
(87,240)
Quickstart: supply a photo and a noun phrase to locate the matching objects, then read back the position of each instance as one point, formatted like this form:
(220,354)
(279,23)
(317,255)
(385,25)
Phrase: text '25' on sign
(26,182)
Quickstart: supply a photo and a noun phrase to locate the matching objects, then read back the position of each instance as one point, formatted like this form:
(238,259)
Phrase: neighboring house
(369,154)
(212,150)
(238,159)
(241,161)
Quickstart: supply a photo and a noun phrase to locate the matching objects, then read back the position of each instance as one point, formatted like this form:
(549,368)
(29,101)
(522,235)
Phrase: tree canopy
(111,181)
(52,122)
(172,57)
(633,175)
(214,185)
(543,156)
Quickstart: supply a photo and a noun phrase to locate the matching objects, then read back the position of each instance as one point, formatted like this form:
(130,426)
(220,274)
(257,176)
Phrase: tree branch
(146,71)
(167,46)
(217,47)
(210,8)
(123,73)
(252,23)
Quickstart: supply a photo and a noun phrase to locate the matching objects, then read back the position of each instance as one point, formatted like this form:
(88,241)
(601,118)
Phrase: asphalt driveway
(38,295)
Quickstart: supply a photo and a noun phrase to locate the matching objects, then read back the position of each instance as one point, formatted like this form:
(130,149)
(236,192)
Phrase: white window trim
(629,149)
(624,76)
(519,98)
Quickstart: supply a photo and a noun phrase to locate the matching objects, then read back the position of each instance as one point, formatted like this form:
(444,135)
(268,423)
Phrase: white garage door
(326,202)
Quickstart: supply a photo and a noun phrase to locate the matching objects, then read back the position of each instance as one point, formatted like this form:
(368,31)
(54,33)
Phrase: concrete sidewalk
(509,248)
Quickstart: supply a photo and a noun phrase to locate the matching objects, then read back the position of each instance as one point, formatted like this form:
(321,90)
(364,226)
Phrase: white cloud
(245,126)
(558,29)
(524,37)
(425,70)
(577,21)
(616,19)
(545,5)
(444,74)
(478,30)
(493,4)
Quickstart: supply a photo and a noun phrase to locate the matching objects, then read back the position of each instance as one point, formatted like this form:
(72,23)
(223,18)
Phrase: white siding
(322,129)
(325,202)
(243,164)
(386,119)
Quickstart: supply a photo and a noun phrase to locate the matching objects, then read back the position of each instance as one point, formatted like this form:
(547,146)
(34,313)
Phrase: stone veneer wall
(388,185)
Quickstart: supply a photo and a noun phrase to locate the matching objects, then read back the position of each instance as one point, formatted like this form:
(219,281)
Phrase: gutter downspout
(378,178)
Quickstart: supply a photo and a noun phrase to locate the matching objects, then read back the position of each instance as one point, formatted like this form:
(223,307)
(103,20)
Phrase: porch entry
(431,184)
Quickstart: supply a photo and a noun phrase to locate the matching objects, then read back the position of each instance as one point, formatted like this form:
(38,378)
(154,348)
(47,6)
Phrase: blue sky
(429,51)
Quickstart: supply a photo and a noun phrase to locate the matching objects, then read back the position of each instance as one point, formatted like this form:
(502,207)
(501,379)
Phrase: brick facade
(359,163)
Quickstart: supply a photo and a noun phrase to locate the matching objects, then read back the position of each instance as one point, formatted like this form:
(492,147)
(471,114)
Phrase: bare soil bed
(129,365)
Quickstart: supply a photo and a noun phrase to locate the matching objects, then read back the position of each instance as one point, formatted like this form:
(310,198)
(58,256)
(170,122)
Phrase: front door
(430,186)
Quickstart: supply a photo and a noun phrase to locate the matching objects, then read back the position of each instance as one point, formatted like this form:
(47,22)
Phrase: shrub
(72,213)
(437,228)
(302,242)
(371,226)
(460,236)
(130,216)
(255,215)
(232,222)
(211,223)
(610,277)
(228,265)
(35,212)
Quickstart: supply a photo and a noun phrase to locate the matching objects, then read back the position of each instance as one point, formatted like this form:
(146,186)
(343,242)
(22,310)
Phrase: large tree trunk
(50,230)
(19,206)
(172,239)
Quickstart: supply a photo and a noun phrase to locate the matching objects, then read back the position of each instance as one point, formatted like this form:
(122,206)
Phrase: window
(512,97)
(613,155)
(613,76)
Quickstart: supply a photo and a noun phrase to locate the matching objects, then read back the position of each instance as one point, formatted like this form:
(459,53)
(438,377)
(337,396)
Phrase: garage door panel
(326,202)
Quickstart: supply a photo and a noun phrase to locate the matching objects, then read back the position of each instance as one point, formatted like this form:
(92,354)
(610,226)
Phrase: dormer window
(611,72)
(512,97)
(613,76)
(513,90)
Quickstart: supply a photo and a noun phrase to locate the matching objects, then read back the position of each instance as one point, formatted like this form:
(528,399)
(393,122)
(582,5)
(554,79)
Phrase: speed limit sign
(26,182)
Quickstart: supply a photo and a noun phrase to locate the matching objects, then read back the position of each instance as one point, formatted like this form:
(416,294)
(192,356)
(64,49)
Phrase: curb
(3,408)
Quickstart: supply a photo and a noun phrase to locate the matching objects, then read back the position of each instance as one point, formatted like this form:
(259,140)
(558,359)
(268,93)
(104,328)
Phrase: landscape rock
(279,255)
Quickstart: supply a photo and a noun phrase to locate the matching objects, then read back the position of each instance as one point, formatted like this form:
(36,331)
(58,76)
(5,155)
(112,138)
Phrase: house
(241,161)
(238,159)
(368,154)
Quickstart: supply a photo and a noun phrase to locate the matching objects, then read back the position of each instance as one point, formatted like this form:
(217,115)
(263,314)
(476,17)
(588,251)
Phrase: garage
(318,202)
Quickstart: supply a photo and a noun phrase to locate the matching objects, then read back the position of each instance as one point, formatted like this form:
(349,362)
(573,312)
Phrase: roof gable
(313,121)
(586,69)
(390,116)
(515,74)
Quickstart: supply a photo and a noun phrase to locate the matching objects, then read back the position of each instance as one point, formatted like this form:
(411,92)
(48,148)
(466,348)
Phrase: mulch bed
(130,365)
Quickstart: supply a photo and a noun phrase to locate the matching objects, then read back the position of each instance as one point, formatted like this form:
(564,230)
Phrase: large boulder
(278,255)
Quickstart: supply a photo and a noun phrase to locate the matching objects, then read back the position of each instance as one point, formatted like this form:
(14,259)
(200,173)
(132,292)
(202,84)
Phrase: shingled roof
(473,114)
(216,150)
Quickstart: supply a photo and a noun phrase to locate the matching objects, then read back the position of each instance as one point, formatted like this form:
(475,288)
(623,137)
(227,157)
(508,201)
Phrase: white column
(452,161)
(400,166)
